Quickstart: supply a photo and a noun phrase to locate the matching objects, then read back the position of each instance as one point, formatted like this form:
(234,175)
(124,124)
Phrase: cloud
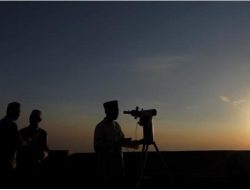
(159,63)
(238,102)
(225,99)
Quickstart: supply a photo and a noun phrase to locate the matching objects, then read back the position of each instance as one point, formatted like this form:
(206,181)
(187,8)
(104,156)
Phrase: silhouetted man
(9,138)
(35,147)
(108,142)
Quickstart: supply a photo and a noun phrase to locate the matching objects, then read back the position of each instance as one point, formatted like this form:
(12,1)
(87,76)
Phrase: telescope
(145,120)
(142,113)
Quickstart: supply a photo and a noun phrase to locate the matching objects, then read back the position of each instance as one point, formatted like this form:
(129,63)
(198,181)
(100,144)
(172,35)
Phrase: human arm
(46,147)
(126,142)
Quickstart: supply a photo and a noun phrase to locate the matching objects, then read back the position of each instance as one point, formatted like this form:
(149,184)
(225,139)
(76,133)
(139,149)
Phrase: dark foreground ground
(190,169)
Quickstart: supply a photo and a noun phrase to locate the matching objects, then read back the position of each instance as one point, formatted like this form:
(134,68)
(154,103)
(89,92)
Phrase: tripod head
(145,120)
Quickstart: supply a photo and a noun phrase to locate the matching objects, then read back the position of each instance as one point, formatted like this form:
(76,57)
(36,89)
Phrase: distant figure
(35,147)
(9,138)
(108,142)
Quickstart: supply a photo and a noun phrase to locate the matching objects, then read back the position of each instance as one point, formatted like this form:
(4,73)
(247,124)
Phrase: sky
(188,60)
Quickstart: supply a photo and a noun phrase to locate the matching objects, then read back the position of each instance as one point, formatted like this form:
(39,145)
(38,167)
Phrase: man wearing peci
(108,142)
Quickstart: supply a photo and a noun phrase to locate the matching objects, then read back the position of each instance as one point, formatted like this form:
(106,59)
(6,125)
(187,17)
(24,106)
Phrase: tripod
(143,162)
(148,135)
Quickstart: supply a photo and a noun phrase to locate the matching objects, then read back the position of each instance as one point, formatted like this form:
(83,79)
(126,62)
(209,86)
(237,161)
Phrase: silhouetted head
(35,117)
(111,110)
(13,110)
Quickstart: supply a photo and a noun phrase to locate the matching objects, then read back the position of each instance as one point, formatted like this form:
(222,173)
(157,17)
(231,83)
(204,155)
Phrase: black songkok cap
(111,105)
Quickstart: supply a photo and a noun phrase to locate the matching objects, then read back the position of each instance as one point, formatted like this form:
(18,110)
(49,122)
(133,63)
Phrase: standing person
(9,138)
(35,147)
(108,142)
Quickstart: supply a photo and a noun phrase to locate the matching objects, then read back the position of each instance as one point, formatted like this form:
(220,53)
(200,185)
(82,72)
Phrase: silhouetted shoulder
(29,129)
(29,132)
(23,130)
(100,123)
(116,124)
(42,132)
(6,124)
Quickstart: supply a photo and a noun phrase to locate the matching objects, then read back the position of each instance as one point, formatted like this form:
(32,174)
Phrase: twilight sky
(188,60)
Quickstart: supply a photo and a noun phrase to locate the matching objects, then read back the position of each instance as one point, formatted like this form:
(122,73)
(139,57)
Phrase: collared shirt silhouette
(108,142)
(34,148)
(9,137)
(108,136)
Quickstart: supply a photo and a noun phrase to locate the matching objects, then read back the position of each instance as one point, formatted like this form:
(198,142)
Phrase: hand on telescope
(133,144)
(127,142)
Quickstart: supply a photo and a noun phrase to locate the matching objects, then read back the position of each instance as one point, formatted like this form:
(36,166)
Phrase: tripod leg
(159,153)
(142,168)
(141,161)
(163,162)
